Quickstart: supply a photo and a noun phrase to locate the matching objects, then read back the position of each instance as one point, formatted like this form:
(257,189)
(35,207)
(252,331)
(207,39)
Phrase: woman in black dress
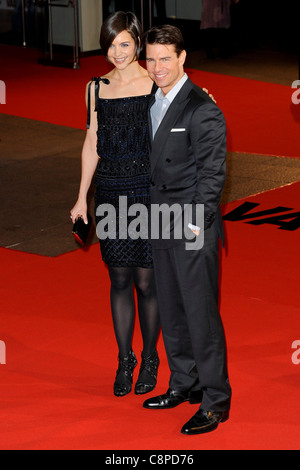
(116,150)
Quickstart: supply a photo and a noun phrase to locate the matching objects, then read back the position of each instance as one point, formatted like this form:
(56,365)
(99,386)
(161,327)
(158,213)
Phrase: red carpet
(56,388)
(260,116)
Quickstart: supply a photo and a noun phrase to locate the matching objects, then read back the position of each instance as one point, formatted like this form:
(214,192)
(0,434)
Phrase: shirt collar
(173,92)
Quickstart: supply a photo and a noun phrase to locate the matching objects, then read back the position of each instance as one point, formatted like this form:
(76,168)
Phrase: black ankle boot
(123,382)
(148,374)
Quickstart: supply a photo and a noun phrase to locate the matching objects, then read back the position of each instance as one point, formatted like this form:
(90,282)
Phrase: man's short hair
(166,35)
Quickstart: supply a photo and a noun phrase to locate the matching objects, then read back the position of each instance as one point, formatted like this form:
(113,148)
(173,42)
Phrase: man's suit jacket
(188,157)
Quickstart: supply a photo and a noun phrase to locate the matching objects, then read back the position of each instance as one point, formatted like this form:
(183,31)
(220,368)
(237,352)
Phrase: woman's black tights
(123,307)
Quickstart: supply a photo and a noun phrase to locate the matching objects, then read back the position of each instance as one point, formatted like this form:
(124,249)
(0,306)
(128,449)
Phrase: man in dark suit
(188,169)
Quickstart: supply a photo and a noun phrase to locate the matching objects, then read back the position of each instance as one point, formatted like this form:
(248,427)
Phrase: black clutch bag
(81,230)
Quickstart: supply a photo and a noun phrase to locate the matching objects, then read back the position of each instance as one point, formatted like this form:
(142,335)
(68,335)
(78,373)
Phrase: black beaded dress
(123,170)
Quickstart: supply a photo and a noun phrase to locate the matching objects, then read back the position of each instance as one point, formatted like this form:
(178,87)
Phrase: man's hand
(194,229)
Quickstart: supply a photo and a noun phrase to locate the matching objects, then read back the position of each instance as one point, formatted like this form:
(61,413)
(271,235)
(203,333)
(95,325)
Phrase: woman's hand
(211,96)
(79,210)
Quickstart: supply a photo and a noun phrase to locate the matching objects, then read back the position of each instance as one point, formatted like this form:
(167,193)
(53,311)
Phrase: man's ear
(182,57)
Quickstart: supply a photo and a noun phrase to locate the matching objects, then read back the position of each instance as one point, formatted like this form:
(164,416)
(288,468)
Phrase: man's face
(164,66)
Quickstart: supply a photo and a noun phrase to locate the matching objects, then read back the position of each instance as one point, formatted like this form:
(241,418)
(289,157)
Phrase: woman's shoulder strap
(97,81)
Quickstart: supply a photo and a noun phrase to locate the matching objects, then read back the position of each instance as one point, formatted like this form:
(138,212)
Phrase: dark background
(255,23)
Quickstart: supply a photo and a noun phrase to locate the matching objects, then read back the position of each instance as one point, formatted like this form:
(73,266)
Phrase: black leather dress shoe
(204,421)
(171,399)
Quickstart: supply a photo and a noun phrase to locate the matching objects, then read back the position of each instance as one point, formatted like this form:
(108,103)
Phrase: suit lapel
(151,102)
(178,104)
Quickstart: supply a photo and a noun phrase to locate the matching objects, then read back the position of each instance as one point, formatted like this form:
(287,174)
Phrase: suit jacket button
(152,183)
(168,160)
(164,186)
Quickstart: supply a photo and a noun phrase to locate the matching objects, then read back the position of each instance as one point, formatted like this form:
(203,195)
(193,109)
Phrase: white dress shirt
(159,110)
(163,102)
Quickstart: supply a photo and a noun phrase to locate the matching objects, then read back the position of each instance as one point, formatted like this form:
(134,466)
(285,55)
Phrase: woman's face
(122,51)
